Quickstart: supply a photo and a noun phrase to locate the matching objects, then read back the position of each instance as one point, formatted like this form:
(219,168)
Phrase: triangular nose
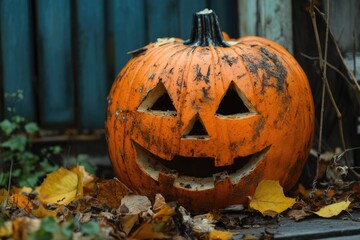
(195,129)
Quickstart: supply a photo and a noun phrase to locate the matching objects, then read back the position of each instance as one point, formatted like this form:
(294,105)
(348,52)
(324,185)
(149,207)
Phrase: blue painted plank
(17,54)
(91,63)
(55,61)
(127,30)
(163,19)
(187,8)
(228,15)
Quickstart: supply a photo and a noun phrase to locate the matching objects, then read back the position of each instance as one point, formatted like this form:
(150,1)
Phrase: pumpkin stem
(206,30)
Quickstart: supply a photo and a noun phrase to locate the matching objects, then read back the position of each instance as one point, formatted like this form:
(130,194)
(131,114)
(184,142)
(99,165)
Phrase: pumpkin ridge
(247,74)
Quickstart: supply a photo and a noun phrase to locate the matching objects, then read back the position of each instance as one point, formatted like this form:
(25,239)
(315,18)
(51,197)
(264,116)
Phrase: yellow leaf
(21,190)
(153,228)
(220,235)
(6,229)
(42,212)
(269,196)
(62,186)
(333,209)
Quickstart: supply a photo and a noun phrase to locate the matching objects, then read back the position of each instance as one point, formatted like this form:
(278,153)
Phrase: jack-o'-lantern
(203,121)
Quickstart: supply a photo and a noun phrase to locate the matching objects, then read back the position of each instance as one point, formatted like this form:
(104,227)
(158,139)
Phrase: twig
(321,64)
(354,51)
(330,66)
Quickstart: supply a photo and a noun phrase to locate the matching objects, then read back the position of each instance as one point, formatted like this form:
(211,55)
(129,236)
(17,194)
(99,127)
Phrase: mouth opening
(196,168)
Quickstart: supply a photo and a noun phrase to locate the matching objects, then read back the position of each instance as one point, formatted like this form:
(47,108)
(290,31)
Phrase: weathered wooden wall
(269,19)
(65,54)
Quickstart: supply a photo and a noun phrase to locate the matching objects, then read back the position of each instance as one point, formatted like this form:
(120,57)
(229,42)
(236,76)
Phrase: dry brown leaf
(297,214)
(317,193)
(333,209)
(159,202)
(62,186)
(128,221)
(110,192)
(135,204)
(269,195)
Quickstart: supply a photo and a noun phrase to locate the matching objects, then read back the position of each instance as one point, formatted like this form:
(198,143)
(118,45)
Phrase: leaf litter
(73,204)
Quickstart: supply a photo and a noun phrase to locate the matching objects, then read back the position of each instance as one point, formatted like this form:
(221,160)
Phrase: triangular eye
(195,129)
(158,102)
(233,102)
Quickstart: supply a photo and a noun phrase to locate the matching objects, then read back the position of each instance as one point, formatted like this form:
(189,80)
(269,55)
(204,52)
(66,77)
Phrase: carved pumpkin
(202,122)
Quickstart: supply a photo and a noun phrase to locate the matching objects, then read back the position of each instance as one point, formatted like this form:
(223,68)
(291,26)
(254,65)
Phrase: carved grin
(196,172)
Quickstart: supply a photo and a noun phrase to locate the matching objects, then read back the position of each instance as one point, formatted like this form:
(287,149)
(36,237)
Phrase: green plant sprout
(18,164)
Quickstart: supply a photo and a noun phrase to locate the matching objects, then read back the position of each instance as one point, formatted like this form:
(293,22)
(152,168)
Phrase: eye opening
(158,102)
(234,104)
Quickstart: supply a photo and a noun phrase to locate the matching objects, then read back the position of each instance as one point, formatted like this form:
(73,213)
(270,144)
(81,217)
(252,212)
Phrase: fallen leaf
(159,202)
(220,235)
(5,230)
(21,190)
(110,192)
(21,201)
(269,195)
(135,204)
(297,214)
(333,209)
(88,179)
(154,227)
(317,193)
(128,221)
(42,212)
(61,186)
(203,223)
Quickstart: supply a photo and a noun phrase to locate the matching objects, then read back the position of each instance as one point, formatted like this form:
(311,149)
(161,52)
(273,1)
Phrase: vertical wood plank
(91,63)
(17,54)
(276,22)
(55,61)
(344,19)
(126,29)
(162,19)
(269,19)
(228,15)
(248,18)
(186,10)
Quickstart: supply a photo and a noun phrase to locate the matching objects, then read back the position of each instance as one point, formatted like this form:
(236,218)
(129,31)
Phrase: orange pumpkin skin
(276,131)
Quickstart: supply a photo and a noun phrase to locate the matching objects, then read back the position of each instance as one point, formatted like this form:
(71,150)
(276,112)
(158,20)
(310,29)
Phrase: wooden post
(269,19)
